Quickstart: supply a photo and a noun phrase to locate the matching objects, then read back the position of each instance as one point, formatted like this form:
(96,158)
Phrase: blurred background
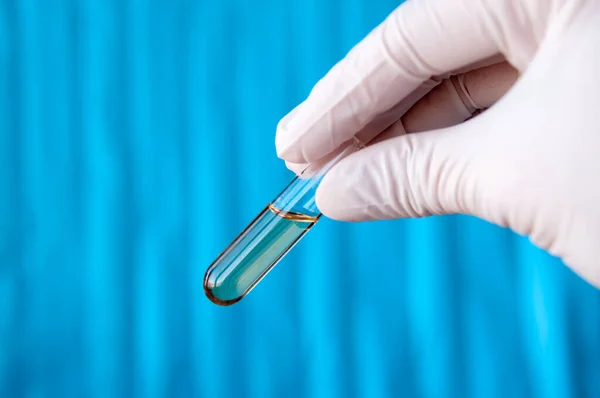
(137,139)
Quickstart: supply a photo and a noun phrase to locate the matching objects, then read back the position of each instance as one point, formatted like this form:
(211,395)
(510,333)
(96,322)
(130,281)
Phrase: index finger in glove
(420,39)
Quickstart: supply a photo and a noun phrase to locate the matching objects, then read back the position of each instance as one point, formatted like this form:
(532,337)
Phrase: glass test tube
(267,239)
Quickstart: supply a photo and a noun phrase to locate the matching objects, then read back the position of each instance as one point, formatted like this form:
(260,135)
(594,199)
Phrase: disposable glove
(531,162)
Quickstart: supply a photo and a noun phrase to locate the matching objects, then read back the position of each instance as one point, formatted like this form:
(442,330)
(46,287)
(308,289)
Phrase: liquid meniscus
(254,253)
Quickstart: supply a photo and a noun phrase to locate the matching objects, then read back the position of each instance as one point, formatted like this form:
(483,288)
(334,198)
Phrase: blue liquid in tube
(271,235)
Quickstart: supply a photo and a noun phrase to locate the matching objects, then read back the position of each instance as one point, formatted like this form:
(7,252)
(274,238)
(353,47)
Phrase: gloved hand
(531,162)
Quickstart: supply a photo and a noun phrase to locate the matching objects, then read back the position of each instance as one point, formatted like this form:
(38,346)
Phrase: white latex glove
(531,162)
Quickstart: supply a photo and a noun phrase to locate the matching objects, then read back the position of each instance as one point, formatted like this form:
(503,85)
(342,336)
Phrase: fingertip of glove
(329,196)
(355,191)
(297,168)
(333,207)
(335,196)
(286,143)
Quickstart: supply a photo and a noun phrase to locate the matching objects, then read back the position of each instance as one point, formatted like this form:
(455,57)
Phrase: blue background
(137,139)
